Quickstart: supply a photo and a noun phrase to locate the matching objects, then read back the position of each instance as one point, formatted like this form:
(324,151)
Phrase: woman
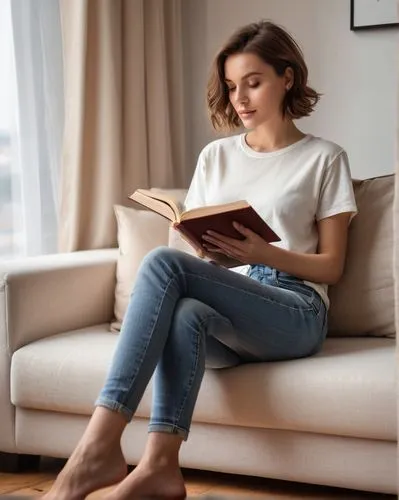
(186,312)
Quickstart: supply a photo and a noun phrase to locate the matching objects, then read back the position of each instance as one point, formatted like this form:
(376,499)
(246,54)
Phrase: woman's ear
(288,78)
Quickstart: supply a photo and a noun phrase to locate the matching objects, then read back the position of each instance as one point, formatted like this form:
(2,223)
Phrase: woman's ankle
(103,432)
(162,450)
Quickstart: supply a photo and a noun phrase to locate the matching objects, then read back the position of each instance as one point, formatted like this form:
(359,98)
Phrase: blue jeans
(185,314)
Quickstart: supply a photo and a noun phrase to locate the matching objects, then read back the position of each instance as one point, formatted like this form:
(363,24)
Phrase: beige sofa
(329,419)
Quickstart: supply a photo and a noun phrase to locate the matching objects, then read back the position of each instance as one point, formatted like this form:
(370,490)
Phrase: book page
(156,204)
(175,196)
(213,209)
(156,195)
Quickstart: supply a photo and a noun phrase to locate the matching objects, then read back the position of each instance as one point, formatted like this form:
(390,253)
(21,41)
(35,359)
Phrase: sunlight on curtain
(31,126)
(11,234)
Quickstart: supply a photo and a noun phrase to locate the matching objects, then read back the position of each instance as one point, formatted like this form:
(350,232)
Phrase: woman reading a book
(187,313)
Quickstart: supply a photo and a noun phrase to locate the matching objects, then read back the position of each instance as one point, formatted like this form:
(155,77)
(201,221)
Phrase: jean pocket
(307,292)
(295,284)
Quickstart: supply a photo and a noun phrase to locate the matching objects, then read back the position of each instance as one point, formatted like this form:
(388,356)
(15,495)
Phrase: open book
(194,223)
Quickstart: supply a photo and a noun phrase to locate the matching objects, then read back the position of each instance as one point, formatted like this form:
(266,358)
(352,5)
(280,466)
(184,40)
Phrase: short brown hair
(276,47)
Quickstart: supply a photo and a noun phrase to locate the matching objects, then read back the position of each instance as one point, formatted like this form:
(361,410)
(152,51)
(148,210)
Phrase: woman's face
(255,90)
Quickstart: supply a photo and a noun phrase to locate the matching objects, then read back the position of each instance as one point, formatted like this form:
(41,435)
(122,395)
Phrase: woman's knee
(160,258)
(160,254)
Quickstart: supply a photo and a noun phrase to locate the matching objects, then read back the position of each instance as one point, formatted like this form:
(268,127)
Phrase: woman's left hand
(252,250)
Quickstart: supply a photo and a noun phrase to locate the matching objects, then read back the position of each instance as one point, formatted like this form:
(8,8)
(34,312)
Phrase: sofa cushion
(347,389)
(139,231)
(362,303)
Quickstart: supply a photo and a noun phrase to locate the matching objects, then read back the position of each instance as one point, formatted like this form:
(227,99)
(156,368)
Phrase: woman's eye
(253,85)
(231,89)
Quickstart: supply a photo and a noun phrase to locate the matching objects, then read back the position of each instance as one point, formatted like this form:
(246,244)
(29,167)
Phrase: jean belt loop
(274,274)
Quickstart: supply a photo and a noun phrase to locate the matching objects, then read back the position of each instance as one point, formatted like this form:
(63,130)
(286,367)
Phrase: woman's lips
(246,114)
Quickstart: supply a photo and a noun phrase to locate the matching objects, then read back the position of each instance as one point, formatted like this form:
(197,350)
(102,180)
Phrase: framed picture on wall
(367,14)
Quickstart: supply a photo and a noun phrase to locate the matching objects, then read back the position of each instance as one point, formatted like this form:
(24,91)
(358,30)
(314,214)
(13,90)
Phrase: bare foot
(149,481)
(88,470)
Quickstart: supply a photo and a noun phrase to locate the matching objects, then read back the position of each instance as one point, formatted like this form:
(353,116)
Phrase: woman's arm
(327,265)
(324,267)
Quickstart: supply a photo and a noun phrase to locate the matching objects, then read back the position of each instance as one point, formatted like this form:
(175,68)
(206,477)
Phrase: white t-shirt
(291,188)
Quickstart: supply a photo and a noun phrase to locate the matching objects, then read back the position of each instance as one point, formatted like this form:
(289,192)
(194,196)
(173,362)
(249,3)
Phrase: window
(31,126)
(11,226)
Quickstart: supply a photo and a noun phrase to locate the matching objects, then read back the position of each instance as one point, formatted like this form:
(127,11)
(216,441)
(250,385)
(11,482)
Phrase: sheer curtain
(31,126)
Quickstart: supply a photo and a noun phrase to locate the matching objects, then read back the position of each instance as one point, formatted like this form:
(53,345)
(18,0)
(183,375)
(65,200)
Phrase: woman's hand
(252,250)
(214,257)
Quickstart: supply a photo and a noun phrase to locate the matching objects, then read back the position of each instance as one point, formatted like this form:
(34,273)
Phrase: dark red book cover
(223,224)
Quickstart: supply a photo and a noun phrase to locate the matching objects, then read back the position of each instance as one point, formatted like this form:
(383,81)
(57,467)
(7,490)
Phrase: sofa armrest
(42,296)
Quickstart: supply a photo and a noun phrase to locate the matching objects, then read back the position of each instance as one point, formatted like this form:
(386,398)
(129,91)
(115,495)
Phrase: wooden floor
(204,485)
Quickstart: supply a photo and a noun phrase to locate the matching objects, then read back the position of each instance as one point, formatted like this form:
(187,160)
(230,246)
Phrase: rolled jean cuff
(169,429)
(115,406)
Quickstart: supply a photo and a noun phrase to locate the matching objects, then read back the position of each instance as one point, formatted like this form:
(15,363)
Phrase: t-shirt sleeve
(196,193)
(336,193)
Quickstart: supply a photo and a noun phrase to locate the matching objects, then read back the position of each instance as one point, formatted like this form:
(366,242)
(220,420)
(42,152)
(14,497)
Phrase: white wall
(356,71)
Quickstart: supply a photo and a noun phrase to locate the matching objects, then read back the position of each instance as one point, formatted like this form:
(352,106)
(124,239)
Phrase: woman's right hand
(215,258)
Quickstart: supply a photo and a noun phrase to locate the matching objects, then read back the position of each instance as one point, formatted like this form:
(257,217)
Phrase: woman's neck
(272,137)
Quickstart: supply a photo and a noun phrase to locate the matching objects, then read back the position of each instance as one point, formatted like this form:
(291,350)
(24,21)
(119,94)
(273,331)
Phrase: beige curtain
(124,119)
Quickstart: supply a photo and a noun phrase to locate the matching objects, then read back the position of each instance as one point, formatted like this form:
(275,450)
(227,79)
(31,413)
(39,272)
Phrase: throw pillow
(362,303)
(139,231)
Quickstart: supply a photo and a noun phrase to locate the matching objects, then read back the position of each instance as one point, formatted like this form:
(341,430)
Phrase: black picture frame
(356,3)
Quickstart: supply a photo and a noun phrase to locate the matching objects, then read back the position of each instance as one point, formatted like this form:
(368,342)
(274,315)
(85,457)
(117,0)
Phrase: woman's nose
(241,97)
